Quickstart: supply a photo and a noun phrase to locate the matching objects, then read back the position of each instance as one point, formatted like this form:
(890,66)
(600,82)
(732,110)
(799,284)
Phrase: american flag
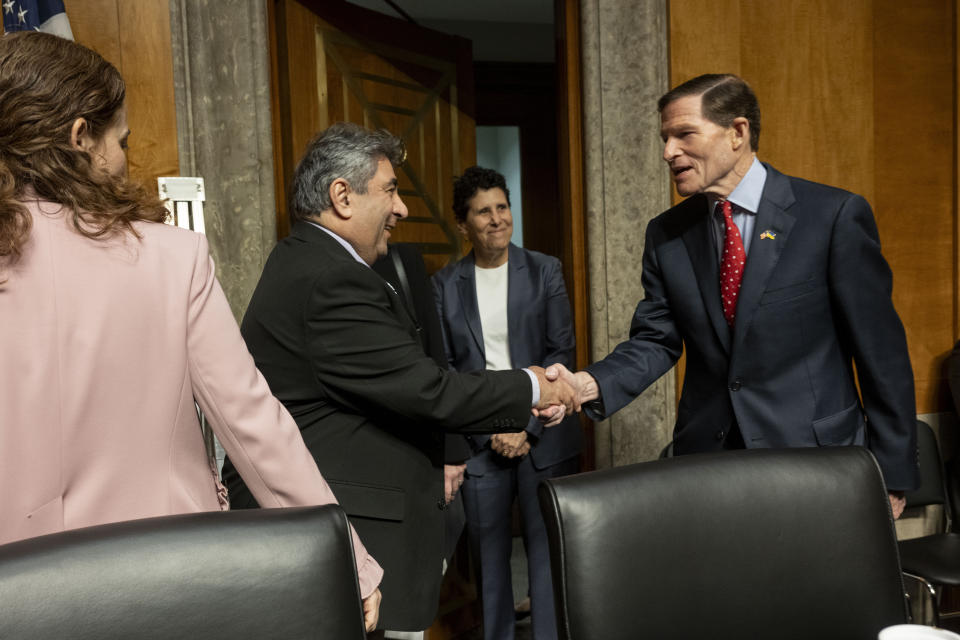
(39,15)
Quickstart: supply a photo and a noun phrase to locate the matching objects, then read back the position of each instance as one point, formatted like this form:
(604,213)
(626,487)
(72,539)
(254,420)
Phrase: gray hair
(344,150)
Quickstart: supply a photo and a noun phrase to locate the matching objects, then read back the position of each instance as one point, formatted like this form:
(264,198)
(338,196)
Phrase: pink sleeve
(256,431)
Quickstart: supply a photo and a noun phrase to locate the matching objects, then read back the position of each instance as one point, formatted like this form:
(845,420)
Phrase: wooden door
(334,61)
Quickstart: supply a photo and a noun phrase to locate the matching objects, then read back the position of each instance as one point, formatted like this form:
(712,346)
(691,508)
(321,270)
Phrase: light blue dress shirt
(746,200)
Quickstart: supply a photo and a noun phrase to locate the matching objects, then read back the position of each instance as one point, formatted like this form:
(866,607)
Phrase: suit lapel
(404,315)
(516,272)
(308,233)
(700,246)
(772,220)
(467,290)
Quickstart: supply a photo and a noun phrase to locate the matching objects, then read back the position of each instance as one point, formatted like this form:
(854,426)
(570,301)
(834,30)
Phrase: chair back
(787,544)
(931,489)
(263,573)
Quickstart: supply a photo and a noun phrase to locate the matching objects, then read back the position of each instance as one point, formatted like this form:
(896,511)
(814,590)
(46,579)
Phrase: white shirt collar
(346,245)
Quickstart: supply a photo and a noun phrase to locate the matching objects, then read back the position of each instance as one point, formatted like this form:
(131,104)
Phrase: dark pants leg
(544,621)
(487,501)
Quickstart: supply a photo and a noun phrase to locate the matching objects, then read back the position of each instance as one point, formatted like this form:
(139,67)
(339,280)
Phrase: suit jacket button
(720,435)
(735,385)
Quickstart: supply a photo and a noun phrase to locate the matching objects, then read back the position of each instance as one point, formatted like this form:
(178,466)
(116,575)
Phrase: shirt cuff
(536,388)
(369,573)
(595,410)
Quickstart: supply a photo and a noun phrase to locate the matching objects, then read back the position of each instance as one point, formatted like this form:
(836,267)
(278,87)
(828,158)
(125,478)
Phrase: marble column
(222,86)
(625,70)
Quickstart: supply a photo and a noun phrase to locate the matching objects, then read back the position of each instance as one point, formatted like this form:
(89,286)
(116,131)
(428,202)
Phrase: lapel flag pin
(768,235)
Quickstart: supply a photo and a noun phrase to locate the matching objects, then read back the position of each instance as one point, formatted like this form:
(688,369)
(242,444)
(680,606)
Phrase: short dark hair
(475,179)
(724,97)
(343,150)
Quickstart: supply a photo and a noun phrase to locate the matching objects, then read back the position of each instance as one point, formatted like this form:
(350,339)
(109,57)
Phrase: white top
(492,303)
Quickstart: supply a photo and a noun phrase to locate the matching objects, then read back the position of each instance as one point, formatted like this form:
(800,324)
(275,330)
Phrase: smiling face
(489,226)
(704,157)
(375,213)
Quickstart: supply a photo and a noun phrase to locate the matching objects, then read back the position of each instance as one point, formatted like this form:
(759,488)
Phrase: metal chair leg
(933,596)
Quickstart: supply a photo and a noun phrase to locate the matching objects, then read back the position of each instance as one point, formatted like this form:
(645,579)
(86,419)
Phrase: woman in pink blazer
(112,324)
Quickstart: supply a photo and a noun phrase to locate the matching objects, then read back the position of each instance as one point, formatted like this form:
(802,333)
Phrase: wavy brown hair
(46,83)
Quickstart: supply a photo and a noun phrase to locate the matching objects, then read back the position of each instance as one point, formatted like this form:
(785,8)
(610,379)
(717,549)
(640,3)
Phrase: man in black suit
(339,349)
(770,357)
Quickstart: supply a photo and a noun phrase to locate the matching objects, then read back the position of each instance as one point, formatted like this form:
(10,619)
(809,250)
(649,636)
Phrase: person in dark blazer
(509,304)
(772,363)
(339,349)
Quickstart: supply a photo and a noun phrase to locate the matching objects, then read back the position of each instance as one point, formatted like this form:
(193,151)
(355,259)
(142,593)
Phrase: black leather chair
(787,544)
(932,560)
(270,573)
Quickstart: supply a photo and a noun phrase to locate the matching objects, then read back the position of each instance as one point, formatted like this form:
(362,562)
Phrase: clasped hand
(510,445)
(582,384)
(556,394)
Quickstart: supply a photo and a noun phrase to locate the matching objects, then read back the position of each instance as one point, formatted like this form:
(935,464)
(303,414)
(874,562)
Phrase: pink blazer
(104,345)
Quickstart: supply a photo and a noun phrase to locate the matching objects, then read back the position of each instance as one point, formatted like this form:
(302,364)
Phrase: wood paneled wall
(861,95)
(134,35)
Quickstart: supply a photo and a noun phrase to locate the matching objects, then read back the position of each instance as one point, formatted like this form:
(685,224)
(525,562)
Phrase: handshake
(562,392)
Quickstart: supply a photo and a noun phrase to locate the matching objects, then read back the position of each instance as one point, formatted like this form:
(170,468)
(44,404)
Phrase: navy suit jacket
(540,331)
(815,299)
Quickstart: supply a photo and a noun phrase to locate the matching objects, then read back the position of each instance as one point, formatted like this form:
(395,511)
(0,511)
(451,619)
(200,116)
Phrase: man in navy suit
(503,307)
(770,362)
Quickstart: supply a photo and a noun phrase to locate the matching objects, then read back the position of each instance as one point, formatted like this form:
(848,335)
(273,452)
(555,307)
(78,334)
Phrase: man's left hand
(452,479)
(371,610)
(897,504)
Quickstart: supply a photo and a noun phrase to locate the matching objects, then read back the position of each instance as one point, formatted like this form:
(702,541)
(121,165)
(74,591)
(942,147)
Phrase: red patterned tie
(731,265)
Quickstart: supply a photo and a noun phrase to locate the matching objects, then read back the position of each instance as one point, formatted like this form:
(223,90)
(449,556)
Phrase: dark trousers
(488,501)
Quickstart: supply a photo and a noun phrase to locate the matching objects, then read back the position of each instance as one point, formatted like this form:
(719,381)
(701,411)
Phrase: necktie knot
(732,264)
(726,208)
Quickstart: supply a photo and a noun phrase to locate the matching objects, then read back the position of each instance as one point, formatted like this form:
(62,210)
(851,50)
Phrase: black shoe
(521,610)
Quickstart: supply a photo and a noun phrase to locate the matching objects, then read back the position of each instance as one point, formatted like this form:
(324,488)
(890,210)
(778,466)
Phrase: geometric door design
(412,96)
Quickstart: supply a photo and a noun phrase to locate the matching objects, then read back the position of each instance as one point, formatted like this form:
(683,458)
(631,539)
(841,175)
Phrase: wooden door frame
(570,146)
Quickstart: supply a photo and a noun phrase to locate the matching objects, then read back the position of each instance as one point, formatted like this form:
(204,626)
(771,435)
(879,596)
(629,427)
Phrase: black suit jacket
(339,349)
(417,294)
(815,298)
